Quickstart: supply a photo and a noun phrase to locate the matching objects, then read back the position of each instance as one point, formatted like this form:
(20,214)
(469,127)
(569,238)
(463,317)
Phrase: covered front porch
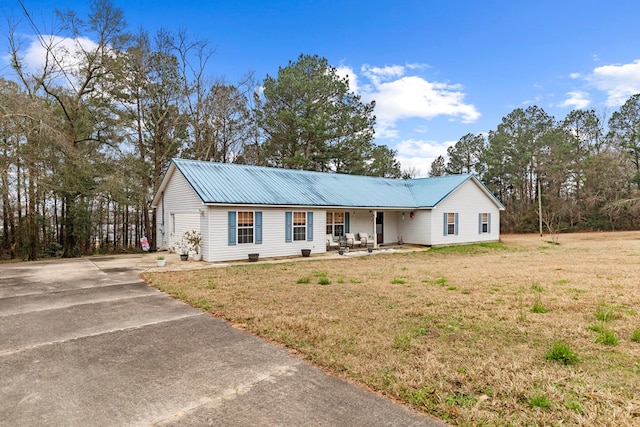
(365,228)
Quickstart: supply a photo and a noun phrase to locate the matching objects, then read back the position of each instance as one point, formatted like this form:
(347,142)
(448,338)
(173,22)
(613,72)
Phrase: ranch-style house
(239,210)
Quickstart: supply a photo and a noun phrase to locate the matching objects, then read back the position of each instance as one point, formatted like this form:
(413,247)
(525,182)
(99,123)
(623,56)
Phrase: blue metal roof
(428,192)
(228,183)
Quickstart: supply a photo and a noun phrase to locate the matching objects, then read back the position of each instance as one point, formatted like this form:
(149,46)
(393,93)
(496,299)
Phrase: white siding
(177,212)
(273,235)
(204,233)
(180,210)
(360,221)
(467,201)
(416,230)
(391,230)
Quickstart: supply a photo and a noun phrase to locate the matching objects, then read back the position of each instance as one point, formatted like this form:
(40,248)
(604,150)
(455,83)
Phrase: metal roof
(233,184)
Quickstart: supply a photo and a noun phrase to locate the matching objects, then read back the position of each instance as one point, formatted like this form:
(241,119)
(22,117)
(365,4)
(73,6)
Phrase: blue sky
(437,69)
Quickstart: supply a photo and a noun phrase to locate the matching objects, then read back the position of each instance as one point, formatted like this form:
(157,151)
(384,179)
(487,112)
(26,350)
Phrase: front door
(379,228)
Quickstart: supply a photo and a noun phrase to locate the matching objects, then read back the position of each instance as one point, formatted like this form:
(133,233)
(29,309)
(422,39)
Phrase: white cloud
(619,81)
(346,71)
(575,76)
(414,97)
(65,50)
(400,94)
(576,99)
(418,155)
(418,66)
(380,74)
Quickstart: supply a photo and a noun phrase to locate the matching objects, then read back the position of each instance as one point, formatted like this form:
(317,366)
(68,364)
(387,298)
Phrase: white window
(485,222)
(299,226)
(335,223)
(245,227)
(451,223)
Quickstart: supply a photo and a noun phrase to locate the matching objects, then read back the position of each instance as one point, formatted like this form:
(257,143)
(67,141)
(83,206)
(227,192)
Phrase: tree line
(86,136)
(583,170)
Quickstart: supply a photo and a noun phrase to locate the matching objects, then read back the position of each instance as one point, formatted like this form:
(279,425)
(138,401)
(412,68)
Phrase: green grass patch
(607,337)
(461,400)
(596,328)
(539,401)
(442,281)
(476,248)
(303,280)
(538,307)
(324,281)
(575,406)
(212,285)
(606,312)
(635,336)
(402,341)
(561,353)
(398,281)
(537,287)
(202,303)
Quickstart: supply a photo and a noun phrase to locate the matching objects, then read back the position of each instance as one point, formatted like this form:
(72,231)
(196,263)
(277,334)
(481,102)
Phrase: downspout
(162,224)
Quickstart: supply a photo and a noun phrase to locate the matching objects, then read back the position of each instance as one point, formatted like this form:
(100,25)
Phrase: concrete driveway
(86,343)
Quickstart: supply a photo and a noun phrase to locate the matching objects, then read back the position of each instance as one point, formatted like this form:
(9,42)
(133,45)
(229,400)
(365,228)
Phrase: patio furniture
(332,243)
(350,239)
(365,240)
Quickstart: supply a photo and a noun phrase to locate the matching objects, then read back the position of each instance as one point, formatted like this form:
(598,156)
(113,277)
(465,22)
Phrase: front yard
(462,333)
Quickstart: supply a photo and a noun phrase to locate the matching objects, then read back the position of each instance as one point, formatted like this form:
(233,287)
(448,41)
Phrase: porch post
(375,232)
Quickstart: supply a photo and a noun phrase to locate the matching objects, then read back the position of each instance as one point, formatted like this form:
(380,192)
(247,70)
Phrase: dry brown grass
(450,331)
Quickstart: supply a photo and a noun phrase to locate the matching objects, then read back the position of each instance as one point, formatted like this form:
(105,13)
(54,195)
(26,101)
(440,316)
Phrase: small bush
(539,401)
(324,281)
(303,280)
(562,353)
(635,336)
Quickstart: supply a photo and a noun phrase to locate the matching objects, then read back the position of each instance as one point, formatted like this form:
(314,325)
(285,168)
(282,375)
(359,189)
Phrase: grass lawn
(522,332)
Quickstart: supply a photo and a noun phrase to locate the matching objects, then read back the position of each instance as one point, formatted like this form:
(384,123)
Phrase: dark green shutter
(347,226)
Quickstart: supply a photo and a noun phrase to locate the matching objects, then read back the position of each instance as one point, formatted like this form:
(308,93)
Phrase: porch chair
(365,240)
(350,239)
(332,243)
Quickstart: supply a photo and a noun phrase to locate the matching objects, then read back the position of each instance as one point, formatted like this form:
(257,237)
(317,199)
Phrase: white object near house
(239,209)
